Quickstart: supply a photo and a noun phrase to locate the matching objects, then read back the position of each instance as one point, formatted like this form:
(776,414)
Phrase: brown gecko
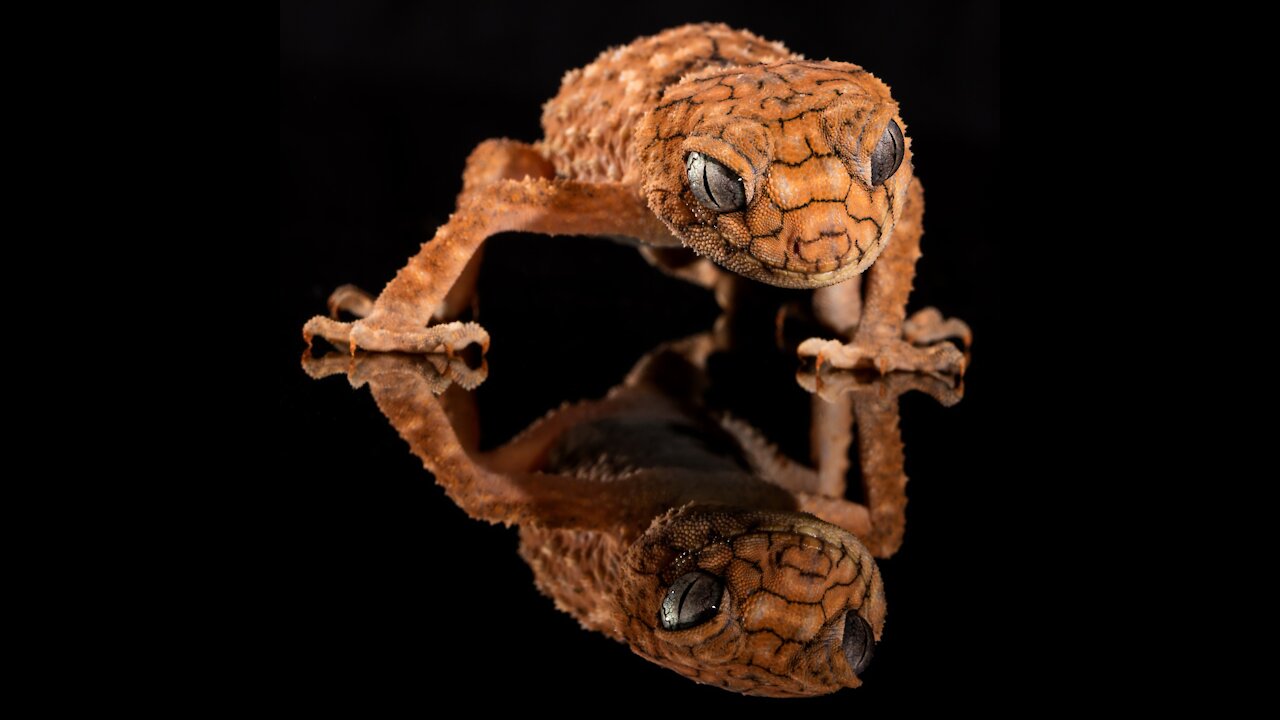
(701,138)
(680,531)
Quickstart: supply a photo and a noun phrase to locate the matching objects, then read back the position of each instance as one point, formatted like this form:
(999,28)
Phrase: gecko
(674,527)
(720,155)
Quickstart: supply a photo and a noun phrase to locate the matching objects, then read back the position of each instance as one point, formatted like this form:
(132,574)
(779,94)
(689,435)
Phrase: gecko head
(767,603)
(791,173)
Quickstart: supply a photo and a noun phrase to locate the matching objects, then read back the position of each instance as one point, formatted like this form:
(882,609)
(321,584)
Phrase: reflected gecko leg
(411,391)
(875,418)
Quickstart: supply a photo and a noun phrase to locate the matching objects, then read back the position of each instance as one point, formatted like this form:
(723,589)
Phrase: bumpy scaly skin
(606,538)
(617,498)
(590,125)
(789,580)
(799,134)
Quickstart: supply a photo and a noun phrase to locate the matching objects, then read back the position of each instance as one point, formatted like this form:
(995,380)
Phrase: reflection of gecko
(792,172)
(682,533)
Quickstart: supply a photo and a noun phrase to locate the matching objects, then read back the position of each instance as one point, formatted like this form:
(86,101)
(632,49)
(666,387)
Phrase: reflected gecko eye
(715,186)
(887,156)
(858,642)
(693,599)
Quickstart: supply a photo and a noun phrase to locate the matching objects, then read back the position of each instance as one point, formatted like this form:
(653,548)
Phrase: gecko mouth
(797,278)
(699,529)
(812,552)
(788,272)
(810,526)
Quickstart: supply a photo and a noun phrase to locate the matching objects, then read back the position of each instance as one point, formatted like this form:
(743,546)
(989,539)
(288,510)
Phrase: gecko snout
(822,238)
(810,234)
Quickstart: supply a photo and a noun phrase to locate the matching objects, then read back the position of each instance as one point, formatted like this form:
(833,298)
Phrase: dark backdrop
(379,105)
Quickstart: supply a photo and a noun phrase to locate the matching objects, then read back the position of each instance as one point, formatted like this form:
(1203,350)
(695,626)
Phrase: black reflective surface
(391,577)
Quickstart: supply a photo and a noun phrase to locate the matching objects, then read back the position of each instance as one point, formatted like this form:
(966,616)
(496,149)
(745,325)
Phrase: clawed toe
(818,349)
(338,333)
(351,299)
(448,338)
(927,327)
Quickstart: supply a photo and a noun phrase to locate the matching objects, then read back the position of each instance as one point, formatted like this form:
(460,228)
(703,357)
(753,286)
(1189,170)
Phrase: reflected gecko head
(767,603)
(791,173)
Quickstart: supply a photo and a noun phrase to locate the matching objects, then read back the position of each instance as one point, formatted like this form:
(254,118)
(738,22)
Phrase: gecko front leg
(885,339)
(398,320)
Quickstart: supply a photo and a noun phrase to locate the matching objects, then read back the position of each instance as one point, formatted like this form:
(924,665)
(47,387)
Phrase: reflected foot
(438,371)
(832,384)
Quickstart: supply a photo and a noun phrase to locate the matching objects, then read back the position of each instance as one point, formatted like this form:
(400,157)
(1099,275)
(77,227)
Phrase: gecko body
(715,150)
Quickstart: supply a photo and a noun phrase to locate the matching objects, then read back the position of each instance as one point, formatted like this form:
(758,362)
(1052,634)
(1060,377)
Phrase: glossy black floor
(380,104)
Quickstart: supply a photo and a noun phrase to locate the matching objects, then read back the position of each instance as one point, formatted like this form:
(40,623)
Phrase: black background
(379,105)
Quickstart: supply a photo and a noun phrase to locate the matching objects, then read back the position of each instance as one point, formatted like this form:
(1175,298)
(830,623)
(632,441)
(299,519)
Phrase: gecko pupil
(858,642)
(715,186)
(693,599)
(887,156)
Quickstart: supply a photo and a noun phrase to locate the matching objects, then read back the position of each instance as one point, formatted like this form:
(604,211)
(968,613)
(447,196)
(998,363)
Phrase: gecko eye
(715,186)
(858,642)
(693,599)
(887,156)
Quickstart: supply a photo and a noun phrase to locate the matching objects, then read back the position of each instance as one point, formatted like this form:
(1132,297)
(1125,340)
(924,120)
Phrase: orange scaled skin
(799,135)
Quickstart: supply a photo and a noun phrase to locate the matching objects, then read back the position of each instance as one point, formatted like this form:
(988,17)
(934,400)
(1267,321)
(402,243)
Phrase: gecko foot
(447,338)
(928,327)
(885,356)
